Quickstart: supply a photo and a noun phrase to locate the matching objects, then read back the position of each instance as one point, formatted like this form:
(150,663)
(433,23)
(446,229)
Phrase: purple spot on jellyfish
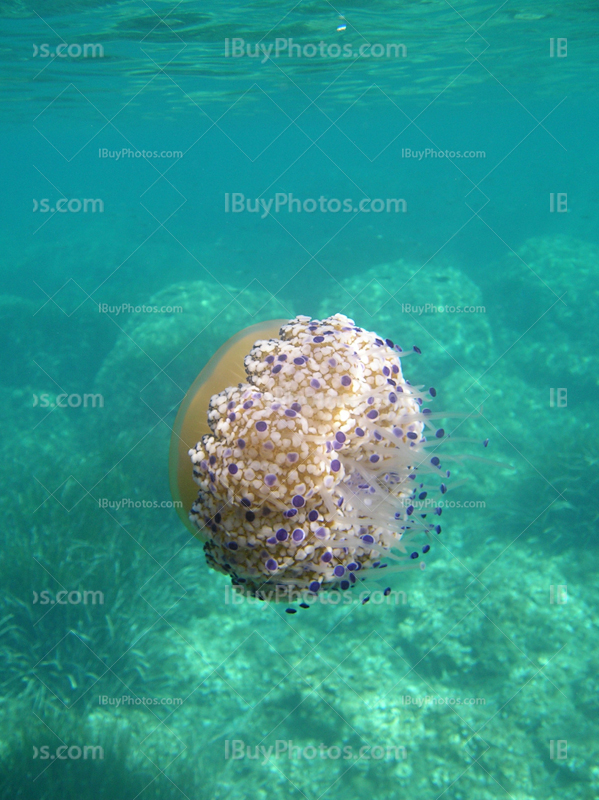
(281,535)
(276,369)
(299,361)
(440,433)
(269,359)
(318,339)
(298,501)
(359,432)
(339,571)
(340,436)
(270,479)
(314,586)
(289,412)
(261,426)
(233,469)
(298,535)
(315,384)
(313,515)
(292,457)
(271,564)
(372,414)
(335,465)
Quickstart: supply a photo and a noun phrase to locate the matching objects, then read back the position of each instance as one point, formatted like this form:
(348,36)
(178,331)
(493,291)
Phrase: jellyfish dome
(309,473)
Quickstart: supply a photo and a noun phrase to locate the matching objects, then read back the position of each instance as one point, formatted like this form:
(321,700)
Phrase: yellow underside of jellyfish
(224,369)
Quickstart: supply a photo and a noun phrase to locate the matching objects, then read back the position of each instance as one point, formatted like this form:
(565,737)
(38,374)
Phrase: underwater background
(128,669)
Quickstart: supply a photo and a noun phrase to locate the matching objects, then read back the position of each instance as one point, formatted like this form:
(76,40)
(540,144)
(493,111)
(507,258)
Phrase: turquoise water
(129,669)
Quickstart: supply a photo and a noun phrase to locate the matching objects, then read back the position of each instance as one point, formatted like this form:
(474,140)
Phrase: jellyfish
(309,464)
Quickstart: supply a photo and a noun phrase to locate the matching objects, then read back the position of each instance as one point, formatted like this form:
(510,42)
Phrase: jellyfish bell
(300,459)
